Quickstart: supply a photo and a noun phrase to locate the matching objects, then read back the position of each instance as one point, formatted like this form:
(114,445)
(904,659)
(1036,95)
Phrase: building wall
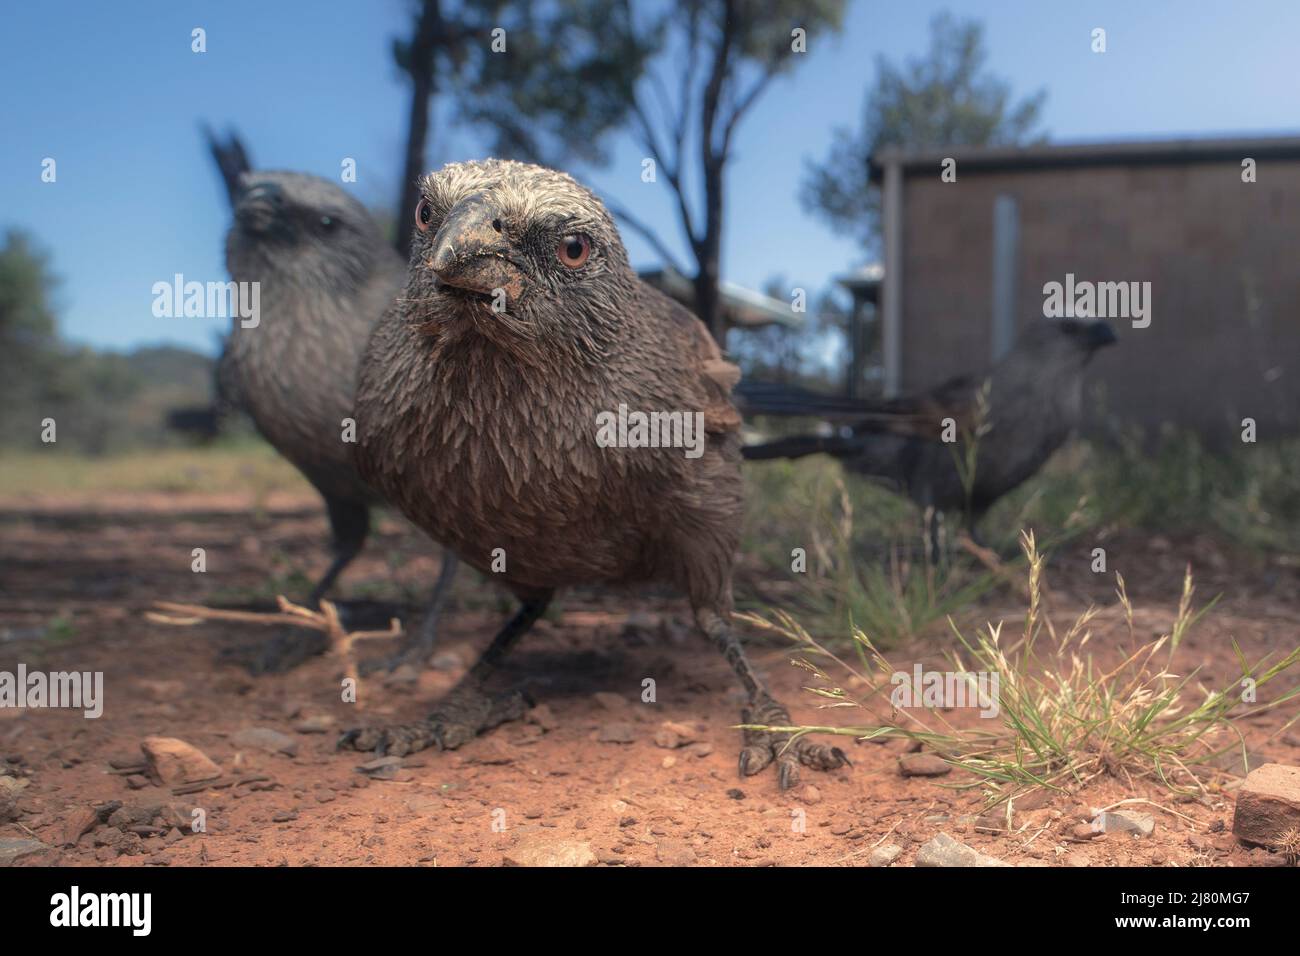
(1222,257)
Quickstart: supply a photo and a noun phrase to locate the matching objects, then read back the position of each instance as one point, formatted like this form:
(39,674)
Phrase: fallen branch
(341,642)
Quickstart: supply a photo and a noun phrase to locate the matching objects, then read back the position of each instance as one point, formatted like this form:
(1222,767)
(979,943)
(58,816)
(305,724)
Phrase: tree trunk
(420,66)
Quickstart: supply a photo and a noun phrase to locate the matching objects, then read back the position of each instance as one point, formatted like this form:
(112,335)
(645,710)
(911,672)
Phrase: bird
(480,405)
(964,444)
(325,275)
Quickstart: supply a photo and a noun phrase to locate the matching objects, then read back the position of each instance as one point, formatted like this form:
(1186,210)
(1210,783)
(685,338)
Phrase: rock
(841,826)
(447,661)
(314,724)
(1268,805)
(380,765)
(884,855)
(542,850)
(943,850)
(672,735)
(923,765)
(1139,824)
(14,849)
(616,732)
(674,852)
(81,822)
(1084,831)
(542,716)
(264,738)
(614,703)
(137,782)
(810,794)
(175,761)
(403,675)
(668,762)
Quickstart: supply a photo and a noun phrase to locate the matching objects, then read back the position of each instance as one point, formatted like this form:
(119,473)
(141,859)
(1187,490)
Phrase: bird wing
(698,349)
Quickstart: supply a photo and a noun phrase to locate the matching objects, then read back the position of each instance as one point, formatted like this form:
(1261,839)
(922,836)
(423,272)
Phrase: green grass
(222,467)
(1063,718)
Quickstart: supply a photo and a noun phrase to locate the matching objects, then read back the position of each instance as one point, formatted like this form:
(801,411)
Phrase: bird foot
(761,747)
(461,716)
(289,648)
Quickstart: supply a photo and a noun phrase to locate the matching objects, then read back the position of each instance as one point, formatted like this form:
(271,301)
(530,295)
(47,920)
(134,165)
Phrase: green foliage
(946,98)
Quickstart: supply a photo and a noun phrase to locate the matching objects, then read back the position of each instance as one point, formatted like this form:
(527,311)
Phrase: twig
(341,642)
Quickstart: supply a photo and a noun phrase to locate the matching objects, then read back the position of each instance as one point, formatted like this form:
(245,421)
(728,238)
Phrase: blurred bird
(325,275)
(1012,418)
(478,407)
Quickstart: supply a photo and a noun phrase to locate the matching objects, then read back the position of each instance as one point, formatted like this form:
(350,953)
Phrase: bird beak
(1101,334)
(470,252)
(259,207)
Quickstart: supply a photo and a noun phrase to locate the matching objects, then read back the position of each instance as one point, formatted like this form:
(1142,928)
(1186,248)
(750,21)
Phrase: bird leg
(759,747)
(468,709)
(349,524)
(420,647)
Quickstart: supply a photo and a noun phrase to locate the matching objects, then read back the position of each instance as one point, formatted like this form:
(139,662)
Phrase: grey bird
(479,406)
(325,275)
(1017,414)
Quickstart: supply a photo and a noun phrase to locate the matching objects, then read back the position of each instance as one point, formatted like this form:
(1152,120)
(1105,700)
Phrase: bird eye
(573,251)
(423,215)
(327,222)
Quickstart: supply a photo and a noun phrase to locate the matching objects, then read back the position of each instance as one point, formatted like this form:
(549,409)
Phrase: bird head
(1067,341)
(290,227)
(520,254)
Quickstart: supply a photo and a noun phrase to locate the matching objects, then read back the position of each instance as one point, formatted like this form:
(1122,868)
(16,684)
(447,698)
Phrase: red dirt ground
(554,781)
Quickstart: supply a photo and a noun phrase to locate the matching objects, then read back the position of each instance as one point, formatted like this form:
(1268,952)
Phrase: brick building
(966,263)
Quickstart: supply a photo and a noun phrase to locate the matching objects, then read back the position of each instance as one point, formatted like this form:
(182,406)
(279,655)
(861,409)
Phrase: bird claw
(762,747)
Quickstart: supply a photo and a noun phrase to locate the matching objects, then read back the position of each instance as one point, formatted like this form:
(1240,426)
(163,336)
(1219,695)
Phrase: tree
(680,80)
(945,98)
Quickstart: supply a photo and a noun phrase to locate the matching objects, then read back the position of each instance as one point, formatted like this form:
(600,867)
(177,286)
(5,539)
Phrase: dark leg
(291,646)
(759,747)
(468,709)
(421,645)
(350,523)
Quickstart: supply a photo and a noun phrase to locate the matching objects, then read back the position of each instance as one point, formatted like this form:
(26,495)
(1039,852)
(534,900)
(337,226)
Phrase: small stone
(841,826)
(810,794)
(884,855)
(174,761)
(541,850)
(671,735)
(1139,824)
(668,762)
(542,716)
(944,851)
(672,852)
(1084,831)
(80,823)
(267,739)
(923,765)
(314,724)
(1268,805)
(284,816)
(735,793)
(616,732)
(447,661)
(137,782)
(14,849)
(380,765)
(614,703)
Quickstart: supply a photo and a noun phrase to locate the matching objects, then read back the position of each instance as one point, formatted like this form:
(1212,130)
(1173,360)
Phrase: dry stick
(326,619)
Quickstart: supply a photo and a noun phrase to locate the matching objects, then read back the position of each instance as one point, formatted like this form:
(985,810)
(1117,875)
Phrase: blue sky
(114,94)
